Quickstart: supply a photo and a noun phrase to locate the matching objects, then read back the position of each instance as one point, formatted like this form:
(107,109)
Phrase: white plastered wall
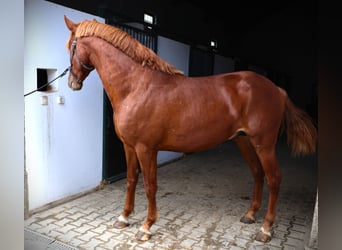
(63,142)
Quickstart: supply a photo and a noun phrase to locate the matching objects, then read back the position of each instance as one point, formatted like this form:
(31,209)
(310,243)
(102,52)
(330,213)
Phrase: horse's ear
(71,25)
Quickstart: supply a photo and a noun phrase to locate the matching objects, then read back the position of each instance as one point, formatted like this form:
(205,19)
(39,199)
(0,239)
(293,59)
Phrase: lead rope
(47,84)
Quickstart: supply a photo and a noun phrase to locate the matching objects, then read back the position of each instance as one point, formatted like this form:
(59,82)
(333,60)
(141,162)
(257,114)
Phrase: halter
(85,66)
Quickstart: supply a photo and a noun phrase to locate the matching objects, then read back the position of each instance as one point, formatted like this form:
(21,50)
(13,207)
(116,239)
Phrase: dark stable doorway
(201,62)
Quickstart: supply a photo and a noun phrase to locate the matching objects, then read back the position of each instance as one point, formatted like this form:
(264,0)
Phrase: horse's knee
(259,178)
(274,177)
(273,182)
(150,189)
(131,184)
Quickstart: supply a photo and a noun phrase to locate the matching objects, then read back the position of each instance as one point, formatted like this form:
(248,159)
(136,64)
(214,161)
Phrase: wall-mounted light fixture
(213,44)
(150,20)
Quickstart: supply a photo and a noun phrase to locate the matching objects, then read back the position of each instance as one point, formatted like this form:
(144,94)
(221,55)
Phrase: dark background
(277,36)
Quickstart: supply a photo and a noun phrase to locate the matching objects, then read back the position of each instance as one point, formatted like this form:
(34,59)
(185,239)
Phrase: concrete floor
(200,200)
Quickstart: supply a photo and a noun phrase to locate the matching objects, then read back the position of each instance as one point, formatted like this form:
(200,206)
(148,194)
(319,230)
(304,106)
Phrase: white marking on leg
(146,231)
(265,232)
(122,219)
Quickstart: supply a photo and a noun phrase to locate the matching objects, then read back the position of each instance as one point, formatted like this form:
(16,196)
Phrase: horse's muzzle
(74,85)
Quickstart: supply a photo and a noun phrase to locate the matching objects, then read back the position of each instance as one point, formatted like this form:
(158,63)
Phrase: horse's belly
(196,140)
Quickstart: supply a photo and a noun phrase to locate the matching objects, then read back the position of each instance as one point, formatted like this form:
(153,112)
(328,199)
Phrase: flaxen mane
(126,43)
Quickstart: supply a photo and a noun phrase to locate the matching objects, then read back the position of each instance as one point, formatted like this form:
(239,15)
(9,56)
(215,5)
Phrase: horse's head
(79,58)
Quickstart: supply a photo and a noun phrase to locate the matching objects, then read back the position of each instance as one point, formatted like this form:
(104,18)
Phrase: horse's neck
(116,70)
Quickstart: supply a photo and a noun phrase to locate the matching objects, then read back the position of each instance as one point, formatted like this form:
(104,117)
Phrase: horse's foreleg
(273,177)
(132,179)
(148,163)
(249,154)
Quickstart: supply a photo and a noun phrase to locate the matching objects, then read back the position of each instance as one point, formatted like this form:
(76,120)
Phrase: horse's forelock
(69,41)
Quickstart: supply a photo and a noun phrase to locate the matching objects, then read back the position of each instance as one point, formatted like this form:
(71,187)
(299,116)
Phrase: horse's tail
(300,129)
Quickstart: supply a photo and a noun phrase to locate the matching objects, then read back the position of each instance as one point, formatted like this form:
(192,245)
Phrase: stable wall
(63,142)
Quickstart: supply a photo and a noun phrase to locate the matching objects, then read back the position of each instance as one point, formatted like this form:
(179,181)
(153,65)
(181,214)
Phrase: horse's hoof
(120,224)
(142,236)
(247,220)
(263,236)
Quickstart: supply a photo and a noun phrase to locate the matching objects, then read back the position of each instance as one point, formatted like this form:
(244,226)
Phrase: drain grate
(36,241)
(60,246)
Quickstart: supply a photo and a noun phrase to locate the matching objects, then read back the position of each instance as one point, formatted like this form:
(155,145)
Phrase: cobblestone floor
(200,200)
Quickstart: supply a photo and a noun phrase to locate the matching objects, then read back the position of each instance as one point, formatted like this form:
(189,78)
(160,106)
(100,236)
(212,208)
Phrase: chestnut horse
(156,107)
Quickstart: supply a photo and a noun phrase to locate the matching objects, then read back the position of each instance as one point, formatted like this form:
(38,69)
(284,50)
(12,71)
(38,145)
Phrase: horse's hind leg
(132,179)
(249,154)
(267,157)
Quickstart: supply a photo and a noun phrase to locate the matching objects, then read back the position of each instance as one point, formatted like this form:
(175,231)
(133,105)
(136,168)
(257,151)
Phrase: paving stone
(236,248)
(100,248)
(73,210)
(84,228)
(196,234)
(297,235)
(88,210)
(88,236)
(36,226)
(79,222)
(188,243)
(162,222)
(299,228)
(106,236)
(55,234)
(47,229)
(92,244)
(240,242)
(113,243)
(288,247)
(30,220)
(275,242)
(46,222)
(65,229)
(75,216)
(187,228)
(76,242)
(281,228)
(48,213)
(294,242)
(256,245)
(199,208)
(61,215)
(102,229)
(68,237)
(92,216)
(228,237)
(62,222)
(109,217)
(98,222)
(247,235)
